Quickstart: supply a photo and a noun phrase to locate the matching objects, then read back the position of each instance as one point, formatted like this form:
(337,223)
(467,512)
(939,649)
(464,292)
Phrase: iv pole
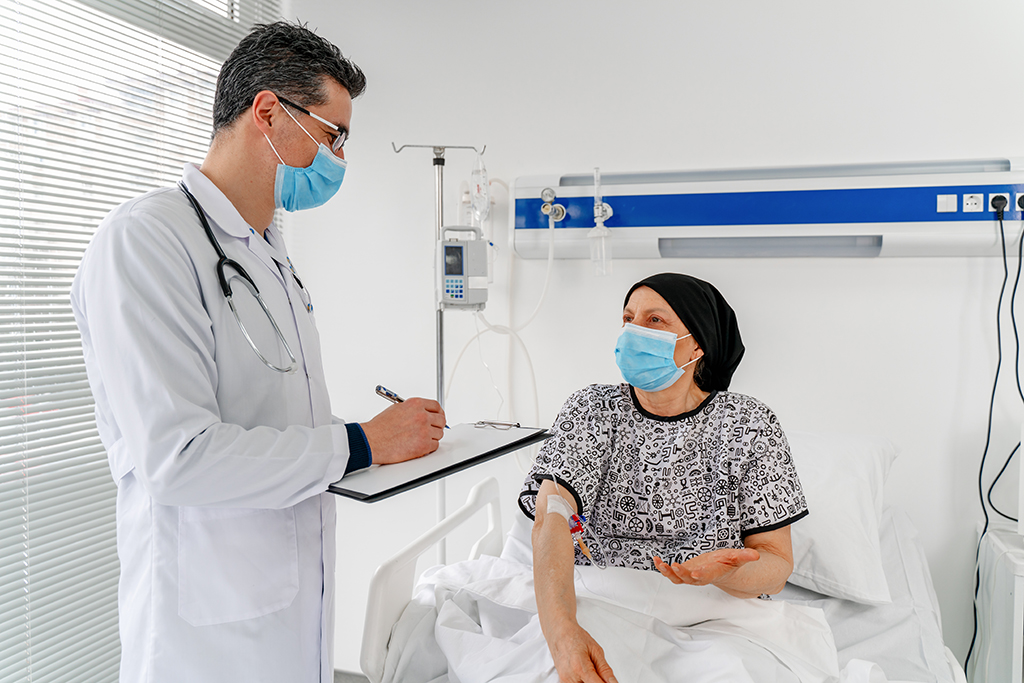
(439,151)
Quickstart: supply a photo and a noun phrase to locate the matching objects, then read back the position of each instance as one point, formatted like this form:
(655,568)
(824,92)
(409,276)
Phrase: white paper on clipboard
(462,446)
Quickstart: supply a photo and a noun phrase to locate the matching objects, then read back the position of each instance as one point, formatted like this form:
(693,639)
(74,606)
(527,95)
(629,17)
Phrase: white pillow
(836,550)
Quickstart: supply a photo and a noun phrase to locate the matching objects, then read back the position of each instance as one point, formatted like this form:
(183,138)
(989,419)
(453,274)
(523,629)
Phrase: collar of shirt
(224,215)
(218,207)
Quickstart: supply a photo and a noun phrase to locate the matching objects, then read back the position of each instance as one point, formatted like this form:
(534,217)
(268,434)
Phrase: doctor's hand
(405,431)
(578,657)
(708,568)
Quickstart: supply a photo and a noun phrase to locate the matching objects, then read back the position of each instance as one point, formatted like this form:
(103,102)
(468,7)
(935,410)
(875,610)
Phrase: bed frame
(392,584)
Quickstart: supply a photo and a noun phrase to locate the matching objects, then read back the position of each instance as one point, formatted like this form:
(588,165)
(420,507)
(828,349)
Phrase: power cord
(1016,342)
(996,481)
(999,204)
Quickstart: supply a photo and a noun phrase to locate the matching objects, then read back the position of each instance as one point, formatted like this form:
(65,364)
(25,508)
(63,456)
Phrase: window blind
(102,101)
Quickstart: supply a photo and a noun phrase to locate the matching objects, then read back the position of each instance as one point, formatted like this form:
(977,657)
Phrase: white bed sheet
(904,637)
(476,622)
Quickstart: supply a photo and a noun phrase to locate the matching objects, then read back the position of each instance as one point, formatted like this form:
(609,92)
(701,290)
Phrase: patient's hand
(707,568)
(578,657)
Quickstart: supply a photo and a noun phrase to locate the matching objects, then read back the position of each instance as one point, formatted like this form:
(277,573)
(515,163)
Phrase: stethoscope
(243,277)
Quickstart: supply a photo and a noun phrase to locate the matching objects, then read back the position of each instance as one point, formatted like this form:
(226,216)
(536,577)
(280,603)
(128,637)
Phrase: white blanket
(476,622)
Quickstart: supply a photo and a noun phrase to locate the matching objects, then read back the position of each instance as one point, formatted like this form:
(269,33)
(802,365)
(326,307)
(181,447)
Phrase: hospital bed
(888,613)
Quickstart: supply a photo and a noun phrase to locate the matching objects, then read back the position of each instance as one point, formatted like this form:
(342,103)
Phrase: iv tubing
(513,332)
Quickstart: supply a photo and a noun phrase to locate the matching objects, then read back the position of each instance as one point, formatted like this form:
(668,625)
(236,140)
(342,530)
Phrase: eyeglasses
(342,135)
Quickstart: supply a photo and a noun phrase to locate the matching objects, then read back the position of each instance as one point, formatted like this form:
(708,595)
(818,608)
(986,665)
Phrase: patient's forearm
(553,573)
(767,575)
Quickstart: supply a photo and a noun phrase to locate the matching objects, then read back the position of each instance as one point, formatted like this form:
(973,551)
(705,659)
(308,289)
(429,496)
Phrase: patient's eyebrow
(663,312)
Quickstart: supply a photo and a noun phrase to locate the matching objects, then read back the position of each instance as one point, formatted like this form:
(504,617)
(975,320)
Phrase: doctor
(222,447)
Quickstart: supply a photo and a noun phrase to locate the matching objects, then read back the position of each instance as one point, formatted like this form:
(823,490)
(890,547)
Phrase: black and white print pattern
(673,487)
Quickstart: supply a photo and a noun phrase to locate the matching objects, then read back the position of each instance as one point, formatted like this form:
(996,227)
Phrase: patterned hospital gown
(675,487)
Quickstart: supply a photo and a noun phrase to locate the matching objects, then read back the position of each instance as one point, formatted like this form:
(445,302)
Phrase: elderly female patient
(672,472)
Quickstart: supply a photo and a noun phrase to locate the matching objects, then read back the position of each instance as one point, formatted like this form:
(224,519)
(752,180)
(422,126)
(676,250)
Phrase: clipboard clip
(495,424)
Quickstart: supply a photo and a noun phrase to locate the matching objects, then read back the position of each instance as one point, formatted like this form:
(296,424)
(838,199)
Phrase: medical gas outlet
(931,208)
(463,270)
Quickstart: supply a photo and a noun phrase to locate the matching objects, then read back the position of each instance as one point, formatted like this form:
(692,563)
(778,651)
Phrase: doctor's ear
(262,110)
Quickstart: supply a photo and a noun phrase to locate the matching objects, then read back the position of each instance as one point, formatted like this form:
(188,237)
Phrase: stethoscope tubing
(225,284)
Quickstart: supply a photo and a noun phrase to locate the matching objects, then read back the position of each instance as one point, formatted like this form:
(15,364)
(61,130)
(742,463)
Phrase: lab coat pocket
(235,564)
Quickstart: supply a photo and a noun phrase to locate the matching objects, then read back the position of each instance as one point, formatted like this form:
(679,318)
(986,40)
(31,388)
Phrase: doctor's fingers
(426,414)
(429,405)
(430,409)
(402,432)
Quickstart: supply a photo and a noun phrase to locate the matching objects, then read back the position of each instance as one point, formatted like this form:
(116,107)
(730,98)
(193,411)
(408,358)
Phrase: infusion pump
(462,270)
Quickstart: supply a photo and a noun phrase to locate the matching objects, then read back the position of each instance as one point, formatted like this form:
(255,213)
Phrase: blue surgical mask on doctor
(296,188)
(646,357)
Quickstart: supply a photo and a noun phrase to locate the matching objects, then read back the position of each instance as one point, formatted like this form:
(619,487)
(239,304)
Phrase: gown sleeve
(575,456)
(770,493)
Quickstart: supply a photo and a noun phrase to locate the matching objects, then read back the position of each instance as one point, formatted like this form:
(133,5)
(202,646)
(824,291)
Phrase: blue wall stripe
(866,205)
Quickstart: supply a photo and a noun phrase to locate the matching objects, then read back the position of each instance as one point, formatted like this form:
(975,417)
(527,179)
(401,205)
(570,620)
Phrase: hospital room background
(898,347)
(903,348)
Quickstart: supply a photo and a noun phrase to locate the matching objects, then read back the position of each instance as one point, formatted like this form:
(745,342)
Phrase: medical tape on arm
(558,506)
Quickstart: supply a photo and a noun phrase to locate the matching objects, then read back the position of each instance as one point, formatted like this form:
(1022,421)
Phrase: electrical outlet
(1004,195)
(1018,205)
(974,203)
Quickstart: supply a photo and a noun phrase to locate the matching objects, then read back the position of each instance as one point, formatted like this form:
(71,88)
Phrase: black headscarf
(709,318)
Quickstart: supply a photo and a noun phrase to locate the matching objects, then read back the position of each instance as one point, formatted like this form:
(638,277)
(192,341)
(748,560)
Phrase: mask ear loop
(275,150)
(297,124)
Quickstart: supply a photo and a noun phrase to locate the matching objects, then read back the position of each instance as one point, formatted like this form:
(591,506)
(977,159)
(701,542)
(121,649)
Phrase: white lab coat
(224,530)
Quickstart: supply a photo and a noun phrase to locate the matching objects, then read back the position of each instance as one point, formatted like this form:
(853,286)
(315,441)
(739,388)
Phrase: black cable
(1013,299)
(1016,346)
(996,480)
(1017,349)
(988,435)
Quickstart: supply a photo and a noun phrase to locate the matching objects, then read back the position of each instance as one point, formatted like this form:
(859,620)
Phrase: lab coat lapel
(309,338)
(301,331)
(264,252)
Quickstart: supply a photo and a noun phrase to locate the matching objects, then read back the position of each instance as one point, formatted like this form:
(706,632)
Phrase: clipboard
(462,447)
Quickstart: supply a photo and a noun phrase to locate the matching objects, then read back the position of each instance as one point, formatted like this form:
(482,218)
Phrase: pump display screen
(453,261)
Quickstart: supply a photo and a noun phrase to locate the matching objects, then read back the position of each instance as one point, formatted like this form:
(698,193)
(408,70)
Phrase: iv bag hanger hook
(439,149)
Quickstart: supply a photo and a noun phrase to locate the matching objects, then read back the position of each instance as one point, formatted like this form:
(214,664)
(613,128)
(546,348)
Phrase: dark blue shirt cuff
(358,449)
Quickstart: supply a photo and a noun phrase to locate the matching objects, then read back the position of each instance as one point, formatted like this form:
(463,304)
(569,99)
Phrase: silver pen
(384,392)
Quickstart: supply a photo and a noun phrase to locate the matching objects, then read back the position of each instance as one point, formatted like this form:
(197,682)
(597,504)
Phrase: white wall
(904,348)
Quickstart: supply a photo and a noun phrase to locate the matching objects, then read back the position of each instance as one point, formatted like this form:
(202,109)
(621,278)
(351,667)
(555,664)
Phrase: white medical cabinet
(999,649)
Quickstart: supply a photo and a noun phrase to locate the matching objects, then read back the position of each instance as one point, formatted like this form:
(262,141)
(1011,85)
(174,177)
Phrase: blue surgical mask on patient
(296,188)
(646,357)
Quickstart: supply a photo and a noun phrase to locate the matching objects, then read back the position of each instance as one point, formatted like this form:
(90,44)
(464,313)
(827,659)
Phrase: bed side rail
(391,585)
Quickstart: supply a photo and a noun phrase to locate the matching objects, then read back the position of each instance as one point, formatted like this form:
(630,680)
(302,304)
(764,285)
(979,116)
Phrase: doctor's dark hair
(287,59)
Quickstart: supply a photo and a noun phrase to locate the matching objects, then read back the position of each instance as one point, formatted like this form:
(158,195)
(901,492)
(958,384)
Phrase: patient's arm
(578,657)
(762,566)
